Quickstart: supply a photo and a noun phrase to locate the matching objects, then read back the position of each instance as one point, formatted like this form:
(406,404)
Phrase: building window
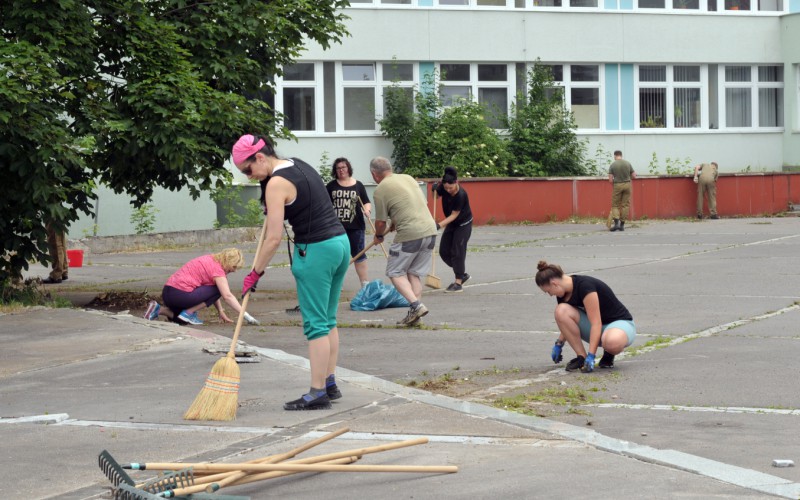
(581,91)
(358,95)
(399,77)
(669,96)
(489,82)
(797,96)
(753,96)
(300,96)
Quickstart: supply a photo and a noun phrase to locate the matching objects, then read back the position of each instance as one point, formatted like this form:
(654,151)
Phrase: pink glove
(250,282)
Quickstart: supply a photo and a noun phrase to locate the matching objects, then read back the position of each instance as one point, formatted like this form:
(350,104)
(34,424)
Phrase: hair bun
(541,265)
(450,171)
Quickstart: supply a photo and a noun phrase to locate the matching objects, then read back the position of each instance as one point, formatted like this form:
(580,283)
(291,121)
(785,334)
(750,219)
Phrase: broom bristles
(433,282)
(218,399)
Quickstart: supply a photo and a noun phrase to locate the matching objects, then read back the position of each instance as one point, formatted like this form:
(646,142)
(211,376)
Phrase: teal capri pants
(319,277)
(627,326)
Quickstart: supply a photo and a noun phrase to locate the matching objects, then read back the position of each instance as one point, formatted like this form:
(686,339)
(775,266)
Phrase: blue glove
(555,354)
(588,365)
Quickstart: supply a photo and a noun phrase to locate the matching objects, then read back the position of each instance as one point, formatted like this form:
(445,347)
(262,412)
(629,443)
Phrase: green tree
(427,135)
(134,94)
(541,129)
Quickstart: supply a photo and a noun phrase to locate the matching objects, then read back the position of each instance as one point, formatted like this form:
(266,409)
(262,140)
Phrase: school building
(690,80)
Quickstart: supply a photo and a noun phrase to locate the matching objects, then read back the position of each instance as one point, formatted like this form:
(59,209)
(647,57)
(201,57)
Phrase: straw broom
(432,280)
(219,397)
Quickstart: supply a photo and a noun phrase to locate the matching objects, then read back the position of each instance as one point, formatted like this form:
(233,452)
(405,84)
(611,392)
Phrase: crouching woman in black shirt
(587,311)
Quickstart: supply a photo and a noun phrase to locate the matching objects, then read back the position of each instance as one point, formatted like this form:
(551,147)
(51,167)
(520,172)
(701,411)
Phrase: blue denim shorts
(627,326)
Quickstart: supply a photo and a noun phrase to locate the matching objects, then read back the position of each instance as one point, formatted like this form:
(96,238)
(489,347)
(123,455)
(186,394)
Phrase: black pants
(453,248)
(178,300)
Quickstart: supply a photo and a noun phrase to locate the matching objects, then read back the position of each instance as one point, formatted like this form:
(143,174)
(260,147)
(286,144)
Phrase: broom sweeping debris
(219,397)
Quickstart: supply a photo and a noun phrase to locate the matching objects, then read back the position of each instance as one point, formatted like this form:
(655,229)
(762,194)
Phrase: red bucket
(75,258)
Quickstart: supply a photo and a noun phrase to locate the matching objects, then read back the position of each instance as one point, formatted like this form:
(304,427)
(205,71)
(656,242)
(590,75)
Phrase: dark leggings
(453,248)
(178,300)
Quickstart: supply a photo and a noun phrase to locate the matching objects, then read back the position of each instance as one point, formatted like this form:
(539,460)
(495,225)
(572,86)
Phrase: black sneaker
(454,287)
(333,392)
(575,364)
(607,361)
(715,217)
(465,278)
(308,402)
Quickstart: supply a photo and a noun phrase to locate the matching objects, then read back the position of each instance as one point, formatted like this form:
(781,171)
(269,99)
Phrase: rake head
(113,470)
(171,480)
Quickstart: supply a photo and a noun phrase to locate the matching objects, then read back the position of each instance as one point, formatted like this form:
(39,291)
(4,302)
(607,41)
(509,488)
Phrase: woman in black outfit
(457,226)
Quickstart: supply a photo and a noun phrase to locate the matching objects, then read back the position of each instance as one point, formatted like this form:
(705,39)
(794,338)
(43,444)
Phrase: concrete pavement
(700,407)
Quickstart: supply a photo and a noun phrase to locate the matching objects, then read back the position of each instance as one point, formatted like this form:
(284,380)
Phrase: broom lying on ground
(219,397)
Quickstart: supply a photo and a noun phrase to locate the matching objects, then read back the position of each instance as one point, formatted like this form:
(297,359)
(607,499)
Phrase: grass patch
(17,296)
(435,384)
(659,342)
(530,403)
(494,370)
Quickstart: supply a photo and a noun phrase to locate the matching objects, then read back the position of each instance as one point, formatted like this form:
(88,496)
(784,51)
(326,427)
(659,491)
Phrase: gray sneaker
(414,315)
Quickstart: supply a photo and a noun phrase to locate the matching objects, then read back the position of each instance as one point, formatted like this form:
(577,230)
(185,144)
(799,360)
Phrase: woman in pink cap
(295,192)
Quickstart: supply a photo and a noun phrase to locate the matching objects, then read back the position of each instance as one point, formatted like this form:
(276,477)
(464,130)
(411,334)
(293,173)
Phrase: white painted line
(37,419)
(476,440)
(700,409)
(169,427)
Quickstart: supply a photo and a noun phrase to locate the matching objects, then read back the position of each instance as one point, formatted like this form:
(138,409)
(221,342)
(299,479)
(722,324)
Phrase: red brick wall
(506,200)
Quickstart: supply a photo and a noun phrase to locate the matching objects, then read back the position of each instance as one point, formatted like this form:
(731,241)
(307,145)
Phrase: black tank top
(311,215)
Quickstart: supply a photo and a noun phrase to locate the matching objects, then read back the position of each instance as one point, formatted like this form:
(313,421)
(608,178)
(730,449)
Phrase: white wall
(176,212)
(510,36)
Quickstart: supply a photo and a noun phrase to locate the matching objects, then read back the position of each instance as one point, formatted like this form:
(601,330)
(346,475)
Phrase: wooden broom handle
(362,252)
(433,259)
(240,319)
(257,465)
(372,244)
(385,253)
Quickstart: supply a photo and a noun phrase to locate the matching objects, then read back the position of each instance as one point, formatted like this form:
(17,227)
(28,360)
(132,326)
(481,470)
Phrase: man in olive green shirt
(399,199)
(620,174)
(705,176)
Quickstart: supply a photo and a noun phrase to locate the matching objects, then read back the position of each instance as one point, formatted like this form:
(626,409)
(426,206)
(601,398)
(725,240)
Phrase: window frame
(670,85)
(754,85)
(567,85)
(474,84)
(317,84)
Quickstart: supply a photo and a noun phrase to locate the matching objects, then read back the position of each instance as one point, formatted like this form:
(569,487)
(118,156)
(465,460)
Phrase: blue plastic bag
(376,295)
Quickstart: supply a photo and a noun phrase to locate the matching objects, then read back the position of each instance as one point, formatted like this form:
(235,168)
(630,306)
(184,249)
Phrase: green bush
(542,138)
(428,136)
(144,219)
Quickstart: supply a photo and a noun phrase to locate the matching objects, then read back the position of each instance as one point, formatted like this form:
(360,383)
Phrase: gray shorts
(410,257)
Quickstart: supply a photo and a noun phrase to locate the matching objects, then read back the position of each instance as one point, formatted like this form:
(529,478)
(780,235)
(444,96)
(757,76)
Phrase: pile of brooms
(198,480)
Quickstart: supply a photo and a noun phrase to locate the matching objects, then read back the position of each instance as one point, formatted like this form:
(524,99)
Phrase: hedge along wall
(508,200)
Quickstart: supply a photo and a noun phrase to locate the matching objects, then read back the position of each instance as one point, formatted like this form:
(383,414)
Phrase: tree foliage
(428,136)
(541,130)
(134,94)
